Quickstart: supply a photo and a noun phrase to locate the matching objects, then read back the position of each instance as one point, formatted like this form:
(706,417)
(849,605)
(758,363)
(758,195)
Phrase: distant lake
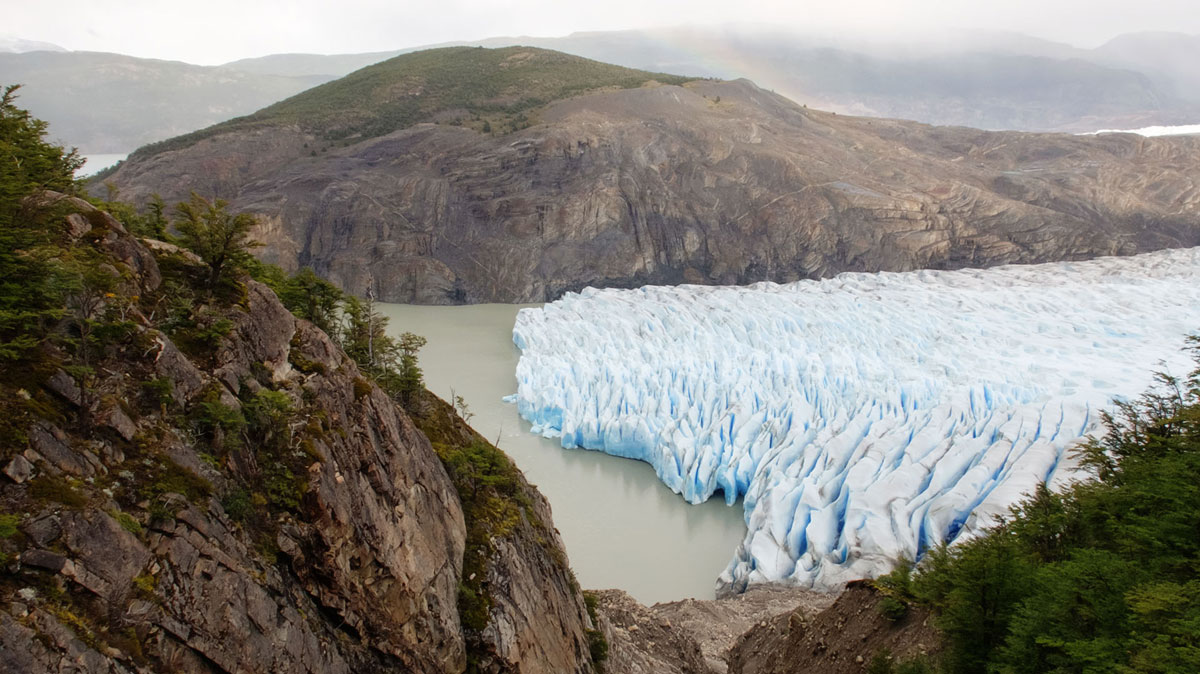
(94,163)
(622,527)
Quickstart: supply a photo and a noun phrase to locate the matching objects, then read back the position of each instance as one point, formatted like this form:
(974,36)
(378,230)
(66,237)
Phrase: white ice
(864,417)
(1152,131)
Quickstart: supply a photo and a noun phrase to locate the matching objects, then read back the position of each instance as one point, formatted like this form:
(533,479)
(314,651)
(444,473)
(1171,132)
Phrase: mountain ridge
(112,103)
(839,73)
(115,113)
(701,182)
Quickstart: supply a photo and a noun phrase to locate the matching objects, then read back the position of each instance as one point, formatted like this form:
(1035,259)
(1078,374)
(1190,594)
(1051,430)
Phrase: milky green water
(622,527)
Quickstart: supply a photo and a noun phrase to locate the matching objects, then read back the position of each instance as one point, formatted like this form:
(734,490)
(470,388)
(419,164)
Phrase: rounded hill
(486,89)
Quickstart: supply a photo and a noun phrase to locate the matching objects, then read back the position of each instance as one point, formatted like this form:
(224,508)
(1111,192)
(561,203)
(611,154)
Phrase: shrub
(159,391)
(221,424)
(127,522)
(597,643)
(893,609)
(56,489)
(8,525)
(1099,578)
(284,489)
(237,504)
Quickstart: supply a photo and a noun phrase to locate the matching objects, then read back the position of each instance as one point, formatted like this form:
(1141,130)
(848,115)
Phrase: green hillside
(491,90)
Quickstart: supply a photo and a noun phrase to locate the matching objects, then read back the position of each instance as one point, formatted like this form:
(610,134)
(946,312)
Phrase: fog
(223,30)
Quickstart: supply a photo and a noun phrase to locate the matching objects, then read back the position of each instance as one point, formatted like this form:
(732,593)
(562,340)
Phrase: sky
(210,32)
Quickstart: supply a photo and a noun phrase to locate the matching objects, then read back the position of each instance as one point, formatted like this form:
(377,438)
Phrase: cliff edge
(232,495)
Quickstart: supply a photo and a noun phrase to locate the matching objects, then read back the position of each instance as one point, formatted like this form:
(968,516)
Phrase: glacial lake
(622,527)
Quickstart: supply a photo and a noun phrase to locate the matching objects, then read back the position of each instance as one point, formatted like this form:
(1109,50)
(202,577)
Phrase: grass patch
(56,489)
(362,388)
(8,525)
(127,522)
(145,584)
(165,476)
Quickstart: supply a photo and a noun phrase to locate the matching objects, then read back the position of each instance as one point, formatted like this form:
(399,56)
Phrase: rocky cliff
(701,182)
(233,496)
(767,630)
(853,635)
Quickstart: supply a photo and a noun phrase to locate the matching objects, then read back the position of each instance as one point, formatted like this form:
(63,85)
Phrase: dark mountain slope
(328,66)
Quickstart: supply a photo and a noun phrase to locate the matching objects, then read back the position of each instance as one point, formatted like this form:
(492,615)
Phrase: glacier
(861,418)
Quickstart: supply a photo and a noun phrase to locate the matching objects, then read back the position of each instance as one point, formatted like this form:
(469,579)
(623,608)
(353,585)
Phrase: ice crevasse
(865,417)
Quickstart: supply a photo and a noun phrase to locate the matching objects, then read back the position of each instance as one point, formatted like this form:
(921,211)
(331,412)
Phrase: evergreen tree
(222,240)
(411,379)
(31,285)
(312,298)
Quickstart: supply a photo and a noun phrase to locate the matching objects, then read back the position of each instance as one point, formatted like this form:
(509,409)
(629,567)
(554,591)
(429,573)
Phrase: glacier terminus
(862,418)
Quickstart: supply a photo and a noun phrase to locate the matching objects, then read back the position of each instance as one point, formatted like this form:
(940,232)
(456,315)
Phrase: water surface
(622,527)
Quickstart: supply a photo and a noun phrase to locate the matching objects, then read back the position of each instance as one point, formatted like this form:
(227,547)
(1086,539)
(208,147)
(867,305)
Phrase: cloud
(223,30)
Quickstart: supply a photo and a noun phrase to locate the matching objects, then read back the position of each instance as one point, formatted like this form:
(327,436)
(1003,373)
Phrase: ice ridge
(861,418)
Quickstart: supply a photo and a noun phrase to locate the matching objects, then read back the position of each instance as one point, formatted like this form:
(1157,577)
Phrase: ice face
(862,418)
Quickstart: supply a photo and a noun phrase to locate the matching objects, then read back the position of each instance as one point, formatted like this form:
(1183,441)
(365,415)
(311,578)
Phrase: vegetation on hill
(490,90)
(68,306)
(1104,577)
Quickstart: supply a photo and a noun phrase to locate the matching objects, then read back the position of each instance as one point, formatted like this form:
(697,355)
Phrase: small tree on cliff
(390,362)
(412,380)
(221,239)
(313,298)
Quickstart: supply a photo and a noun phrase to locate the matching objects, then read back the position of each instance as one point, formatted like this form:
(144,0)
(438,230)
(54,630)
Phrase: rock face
(708,182)
(842,639)
(536,621)
(692,636)
(130,547)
